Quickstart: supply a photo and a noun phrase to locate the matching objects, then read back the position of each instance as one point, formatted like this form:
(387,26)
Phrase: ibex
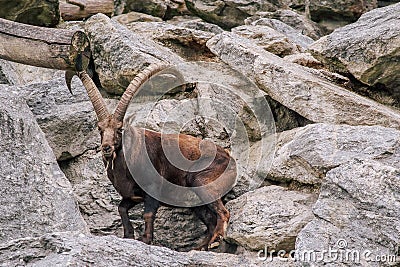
(214,215)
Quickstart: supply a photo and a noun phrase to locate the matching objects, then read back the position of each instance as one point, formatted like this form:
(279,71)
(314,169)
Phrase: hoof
(214,245)
(215,242)
(145,240)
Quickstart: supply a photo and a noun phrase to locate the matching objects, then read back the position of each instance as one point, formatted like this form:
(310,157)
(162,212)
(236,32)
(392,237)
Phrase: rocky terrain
(319,166)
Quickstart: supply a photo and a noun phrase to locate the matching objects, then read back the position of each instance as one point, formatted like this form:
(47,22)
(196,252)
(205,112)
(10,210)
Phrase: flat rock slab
(186,42)
(35,196)
(68,121)
(294,35)
(74,249)
(119,54)
(298,88)
(368,49)
(306,154)
(292,18)
(357,213)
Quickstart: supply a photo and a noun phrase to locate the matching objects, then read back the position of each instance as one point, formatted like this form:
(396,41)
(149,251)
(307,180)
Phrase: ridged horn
(134,86)
(94,95)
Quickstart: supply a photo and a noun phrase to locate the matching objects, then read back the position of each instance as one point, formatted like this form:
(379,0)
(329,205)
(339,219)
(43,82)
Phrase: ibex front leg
(123,208)
(151,206)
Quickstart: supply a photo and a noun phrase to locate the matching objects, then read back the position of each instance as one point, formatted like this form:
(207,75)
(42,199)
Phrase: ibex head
(111,125)
(111,136)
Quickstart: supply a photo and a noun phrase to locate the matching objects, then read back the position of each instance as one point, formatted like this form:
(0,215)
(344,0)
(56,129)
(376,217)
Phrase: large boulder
(291,33)
(75,249)
(270,216)
(165,9)
(38,12)
(20,74)
(333,14)
(269,39)
(119,54)
(292,18)
(35,196)
(230,13)
(97,199)
(186,42)
(298,88)
(357,215)
(68,121)
(368,49)
(306,154)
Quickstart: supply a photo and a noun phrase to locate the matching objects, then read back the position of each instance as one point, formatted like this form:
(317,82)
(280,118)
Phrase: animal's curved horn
(95,97)
(133,87)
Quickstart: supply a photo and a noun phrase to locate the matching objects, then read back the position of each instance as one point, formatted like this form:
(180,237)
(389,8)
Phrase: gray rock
(285,119)
(38,12)
(178,229)
(291,33)
(357,214)
(298,88)
(304,59)
(387,2)
(229,13)
(367,49)
(186,42)
(306,154)
(270,216)
(269,39)
(292,18)
(68,121)
(74,249)
(20,74)
(164,9)
(96,197)
(334,14)
(35,196)
(135,17)
(195,23)
(119,54)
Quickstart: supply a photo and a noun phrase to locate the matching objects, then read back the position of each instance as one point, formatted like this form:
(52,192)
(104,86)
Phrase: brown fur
(213,215)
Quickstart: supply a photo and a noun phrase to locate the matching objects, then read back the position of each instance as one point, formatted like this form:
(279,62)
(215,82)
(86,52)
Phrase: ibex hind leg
(124,206)
(222,222)
(217,208)
(210,220)
(151,206)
